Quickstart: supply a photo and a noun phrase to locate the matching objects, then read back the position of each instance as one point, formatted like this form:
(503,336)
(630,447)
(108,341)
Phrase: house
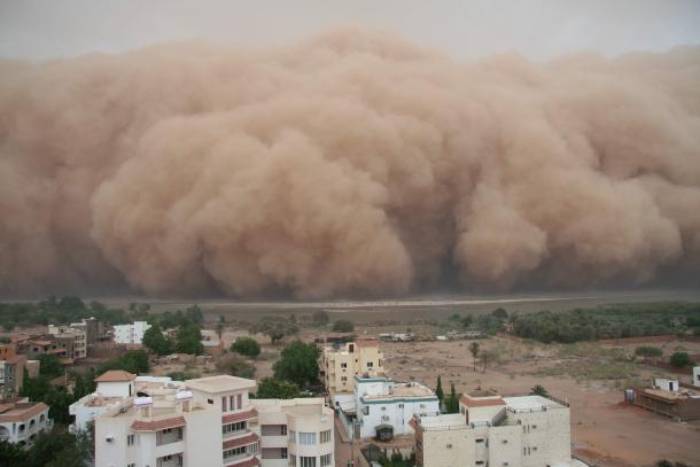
(340,363)
(12,370)
(381,407)
(526,431)
(131,334)
(21,421)
(77,335)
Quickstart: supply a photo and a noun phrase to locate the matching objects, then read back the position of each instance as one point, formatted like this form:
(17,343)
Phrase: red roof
(242,441)
(236,417)
(157,425)
(245,463)
(21,412)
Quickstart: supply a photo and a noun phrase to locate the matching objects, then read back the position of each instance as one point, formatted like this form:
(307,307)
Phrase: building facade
(21,422)
(77,336)
(340,363)
(527,431)
(208,421)
(130,333)
(12,371)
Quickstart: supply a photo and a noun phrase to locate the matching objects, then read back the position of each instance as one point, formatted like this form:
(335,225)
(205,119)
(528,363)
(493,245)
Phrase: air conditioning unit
(109,439)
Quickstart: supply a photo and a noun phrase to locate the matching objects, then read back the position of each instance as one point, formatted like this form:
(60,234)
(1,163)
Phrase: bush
(680,359)
(343,325)
(648,351)
(246,346)
(236,366)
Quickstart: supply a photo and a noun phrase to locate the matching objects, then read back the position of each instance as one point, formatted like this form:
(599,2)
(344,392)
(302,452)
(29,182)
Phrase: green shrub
(680,359)
(246,346)
(343,325)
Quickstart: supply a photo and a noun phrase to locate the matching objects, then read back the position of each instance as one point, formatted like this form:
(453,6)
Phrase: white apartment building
(112,388)
(21,422)
(79,335)
(341,363)
(295,432)
(380,403)
(130,333)
(490,430)
(209,422)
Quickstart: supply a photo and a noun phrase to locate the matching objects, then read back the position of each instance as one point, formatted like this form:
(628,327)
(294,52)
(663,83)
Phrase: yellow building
(342,362)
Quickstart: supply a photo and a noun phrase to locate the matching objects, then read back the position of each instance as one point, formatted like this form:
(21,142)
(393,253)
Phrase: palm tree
(474,350)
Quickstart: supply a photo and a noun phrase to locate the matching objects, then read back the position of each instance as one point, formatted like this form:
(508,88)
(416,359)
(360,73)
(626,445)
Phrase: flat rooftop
(220,383)
(402,391)
(531,403)
(445,421)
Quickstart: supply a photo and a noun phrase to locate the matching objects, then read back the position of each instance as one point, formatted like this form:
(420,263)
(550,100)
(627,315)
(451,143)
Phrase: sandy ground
(604,429)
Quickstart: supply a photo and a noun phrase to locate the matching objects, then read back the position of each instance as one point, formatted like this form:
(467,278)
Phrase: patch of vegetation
(235,365)
(246,346)
(606,322)
(275,328)
(270,388)
(343,325)
(680,359)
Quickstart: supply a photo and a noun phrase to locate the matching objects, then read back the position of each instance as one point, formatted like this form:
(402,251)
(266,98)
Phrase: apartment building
(525,431)
(22,421)
(76,335)
(340,363)
(208,421)
(381,407)
(12,376)
(130,333)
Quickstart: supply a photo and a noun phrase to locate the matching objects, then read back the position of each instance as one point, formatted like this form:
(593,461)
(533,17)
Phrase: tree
(500,313)
(452,402)
(50,365)
(467,321)
(236,366)
(298,363)
(220,326)
(156,342)
(438,390)
(343,325)
(539,390)
(680,359)
(194,315)
(11,454)
(274,328)
(320,318)
(474,350)
(246,346)
(189,339)
(270,388)
(134,361)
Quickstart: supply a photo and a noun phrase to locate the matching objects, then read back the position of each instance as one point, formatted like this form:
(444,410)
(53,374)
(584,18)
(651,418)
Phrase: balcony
(173,460)
(168,436)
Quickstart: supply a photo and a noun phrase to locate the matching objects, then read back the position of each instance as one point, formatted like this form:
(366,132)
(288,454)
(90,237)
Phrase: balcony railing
(174,460)
(167,437)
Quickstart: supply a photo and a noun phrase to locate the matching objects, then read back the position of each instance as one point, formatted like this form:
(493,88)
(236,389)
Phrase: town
(90,384)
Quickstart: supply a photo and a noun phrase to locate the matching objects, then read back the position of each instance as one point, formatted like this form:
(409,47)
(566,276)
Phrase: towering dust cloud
(354,163)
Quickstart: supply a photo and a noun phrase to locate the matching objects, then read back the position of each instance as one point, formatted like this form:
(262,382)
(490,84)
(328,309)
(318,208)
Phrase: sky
(537,29)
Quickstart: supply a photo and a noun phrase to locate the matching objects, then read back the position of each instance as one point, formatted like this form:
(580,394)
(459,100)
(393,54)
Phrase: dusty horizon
(354,163)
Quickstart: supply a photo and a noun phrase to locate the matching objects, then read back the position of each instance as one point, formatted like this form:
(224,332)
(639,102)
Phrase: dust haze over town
(350,160)
(256,217)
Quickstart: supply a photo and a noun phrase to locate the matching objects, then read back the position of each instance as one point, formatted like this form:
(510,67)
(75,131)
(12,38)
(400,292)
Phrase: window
(365,410)
(370,364)
(131,465)
(223,404)
(449,446)
(326,460)
(385,418)
(401,406)
(239,401)
(234,452)
(130,440)
(210,401)
(383,407)
(283,453)
(307,461)
(479,440)
(41,418)
(422,406)
(343,378)
(479,462)
(292,460)
(233,427)
(343,365)
(292,436)
(307,438)
(505,441)
(230,402)
(534,427)
(379,363)
(325,437)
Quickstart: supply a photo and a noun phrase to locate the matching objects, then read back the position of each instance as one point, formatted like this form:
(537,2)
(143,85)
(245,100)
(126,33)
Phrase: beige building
(79,336)
(341,363)
(208,421)
(527,431)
